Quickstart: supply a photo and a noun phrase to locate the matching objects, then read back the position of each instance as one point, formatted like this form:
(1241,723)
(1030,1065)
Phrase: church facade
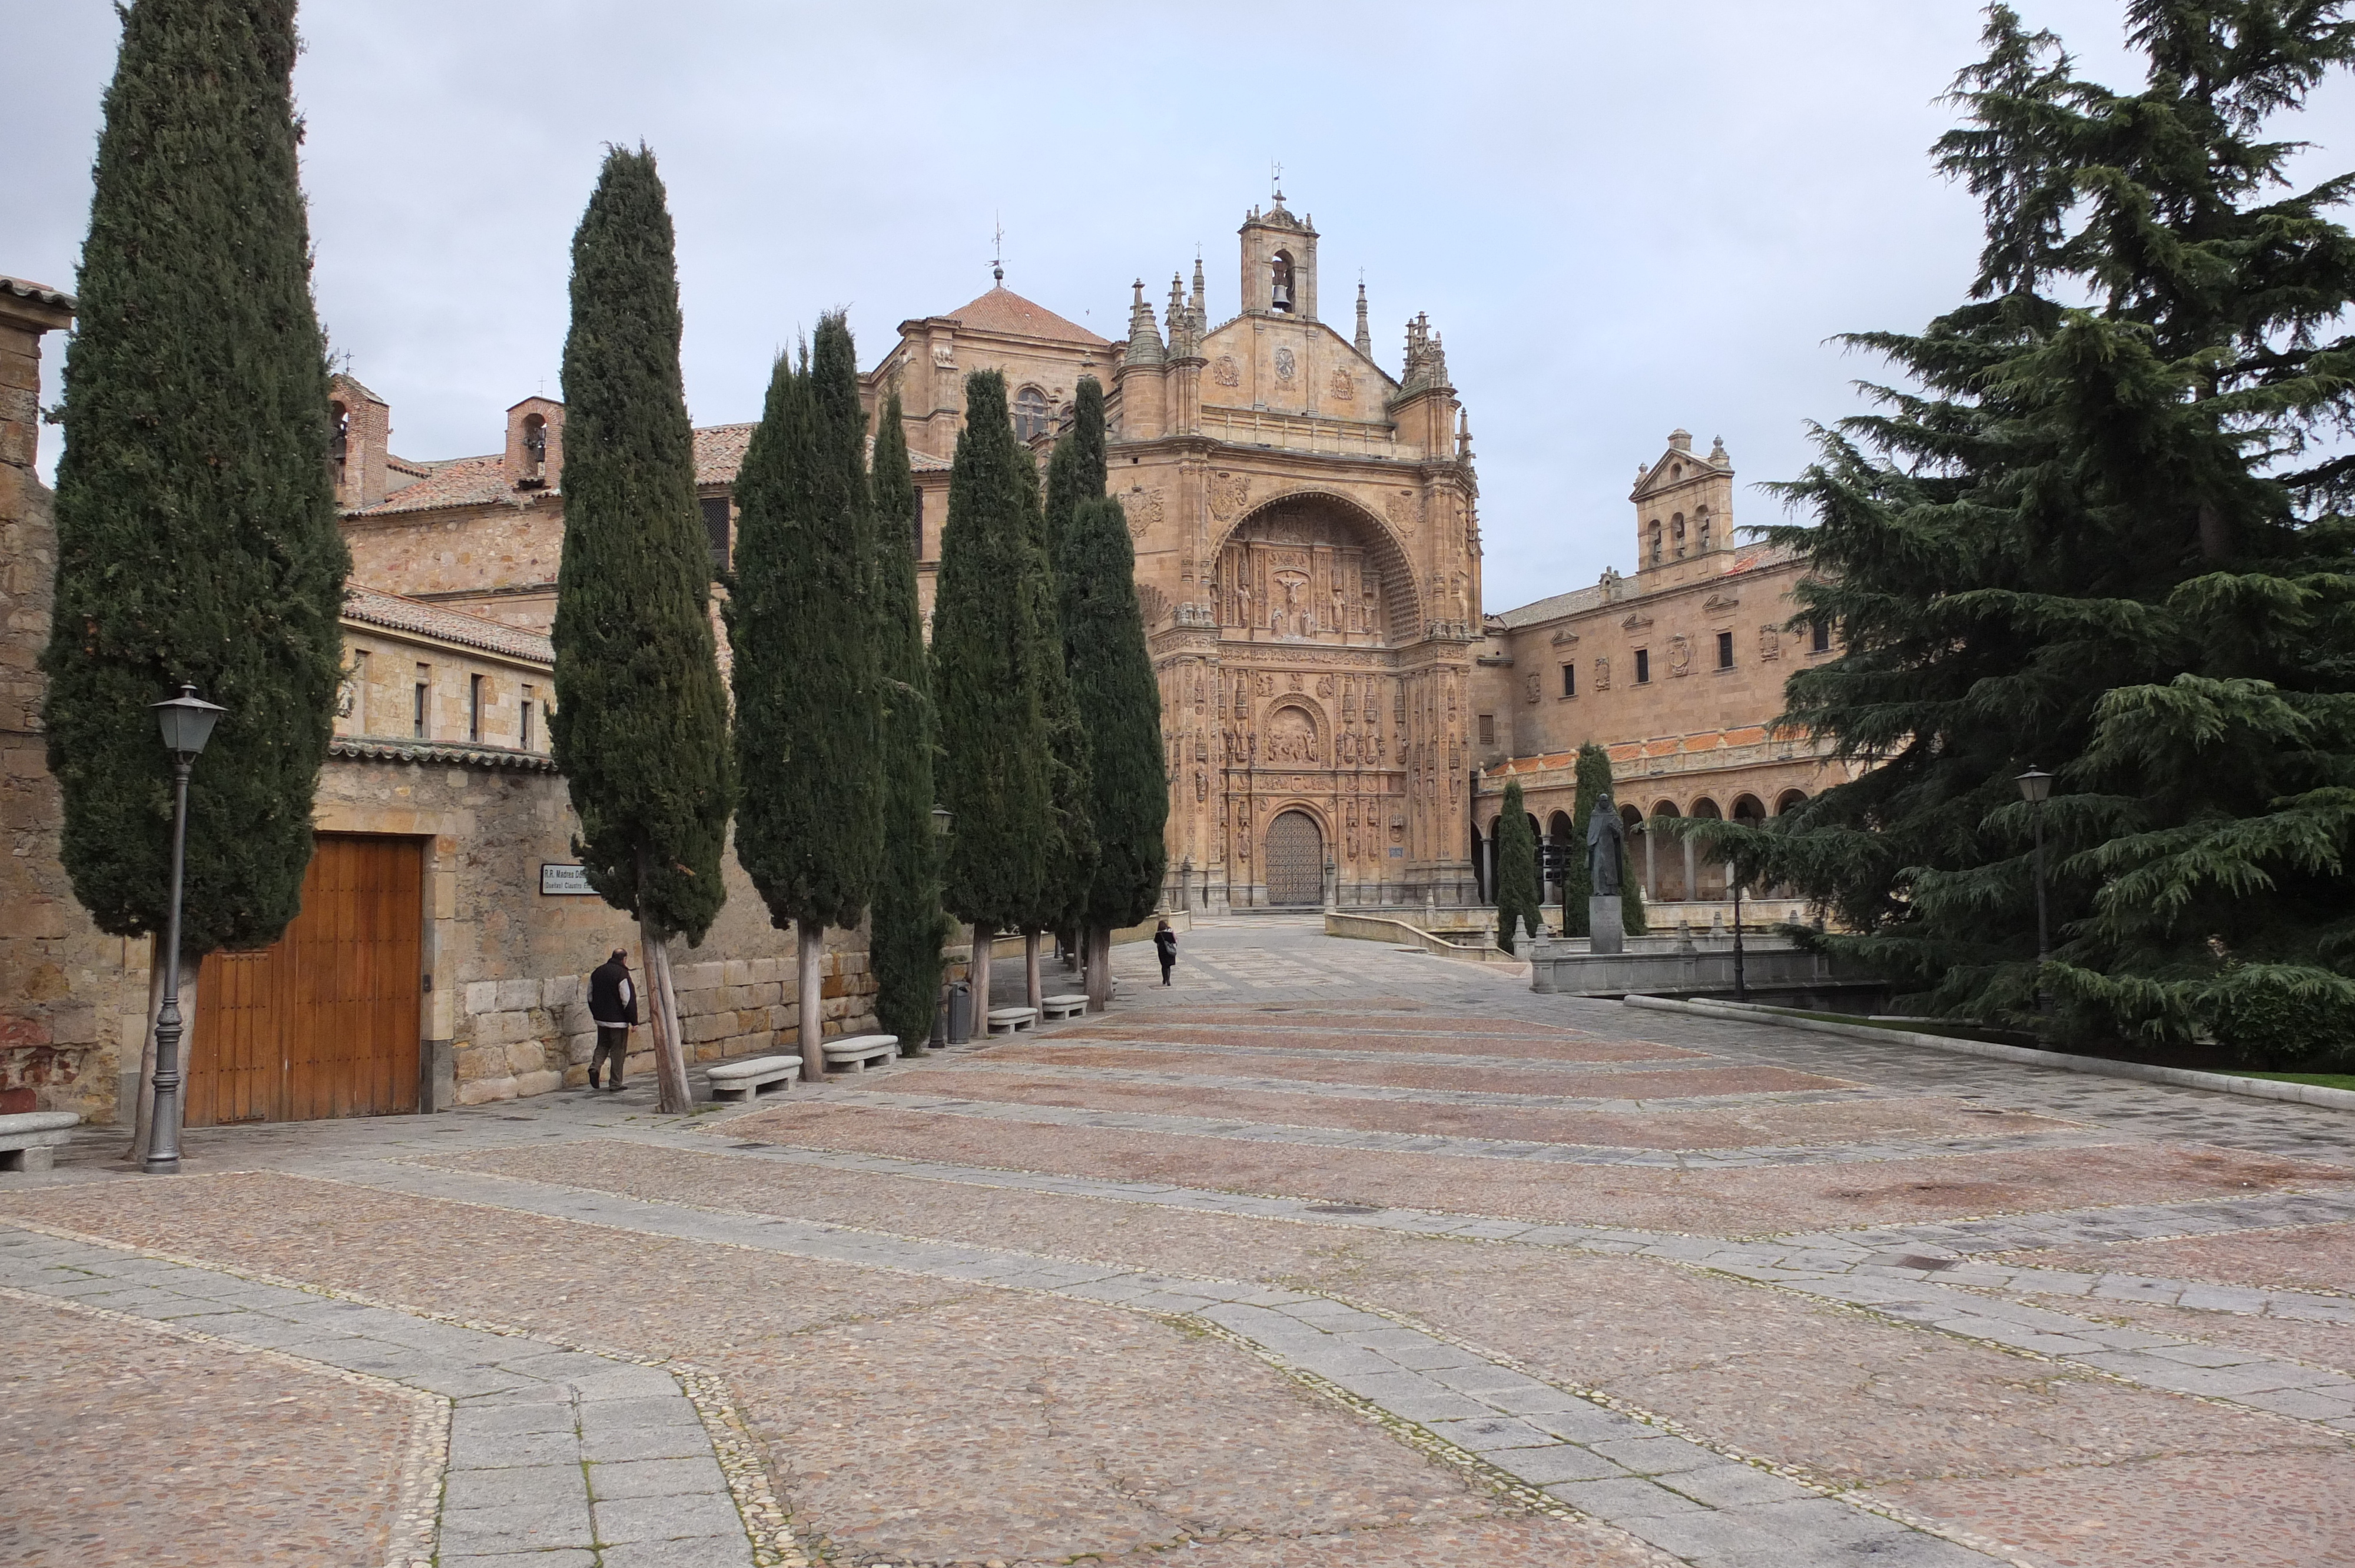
(1308,560)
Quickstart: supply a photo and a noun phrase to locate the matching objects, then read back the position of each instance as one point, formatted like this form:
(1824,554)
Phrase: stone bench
(856,1051)
(27,1138)
(1068,1005)
(1010,1020)
(744,1080)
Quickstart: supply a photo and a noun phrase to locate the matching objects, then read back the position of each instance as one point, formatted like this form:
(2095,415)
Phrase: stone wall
(59,975)
(507,1014)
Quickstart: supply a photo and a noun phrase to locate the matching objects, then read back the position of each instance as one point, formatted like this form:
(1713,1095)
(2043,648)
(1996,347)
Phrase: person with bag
(1164,947)
(613,1003)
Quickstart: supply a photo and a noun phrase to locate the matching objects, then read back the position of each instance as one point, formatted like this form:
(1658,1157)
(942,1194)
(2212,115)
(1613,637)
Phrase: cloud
(1622,218)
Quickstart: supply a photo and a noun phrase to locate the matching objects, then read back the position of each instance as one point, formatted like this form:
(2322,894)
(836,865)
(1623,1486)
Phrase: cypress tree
(640,725)
(1517,870)
(1071,850)
(1119,704)
(197,538)
(908,924)
(801,620)
(1577,881)
(1075,470)
(988,640)
(2083,538)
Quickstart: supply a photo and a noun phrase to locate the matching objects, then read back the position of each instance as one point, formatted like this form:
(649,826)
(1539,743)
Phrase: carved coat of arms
(1223,371)
(1285,365)
(1229,493)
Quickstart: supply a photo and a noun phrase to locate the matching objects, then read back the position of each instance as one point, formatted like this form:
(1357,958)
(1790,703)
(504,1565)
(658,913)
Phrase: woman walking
(1164,947)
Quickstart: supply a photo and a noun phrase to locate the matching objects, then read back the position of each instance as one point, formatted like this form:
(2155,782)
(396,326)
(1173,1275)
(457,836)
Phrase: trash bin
(960,1012)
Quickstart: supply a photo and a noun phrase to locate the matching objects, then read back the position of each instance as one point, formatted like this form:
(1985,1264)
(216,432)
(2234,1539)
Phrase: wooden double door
(325,1021)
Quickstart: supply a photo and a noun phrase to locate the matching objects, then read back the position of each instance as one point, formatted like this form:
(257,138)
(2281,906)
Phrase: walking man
(613,1003)
(1164,947)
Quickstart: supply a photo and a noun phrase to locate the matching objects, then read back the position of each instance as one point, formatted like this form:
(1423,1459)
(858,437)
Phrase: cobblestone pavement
(1329,1254)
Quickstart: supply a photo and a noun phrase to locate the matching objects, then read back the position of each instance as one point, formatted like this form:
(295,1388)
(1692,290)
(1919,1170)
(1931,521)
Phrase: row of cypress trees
(1050,716)
(197,542)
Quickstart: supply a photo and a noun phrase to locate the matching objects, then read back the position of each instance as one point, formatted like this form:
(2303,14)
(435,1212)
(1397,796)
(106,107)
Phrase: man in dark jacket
(1164,947)
(613,1003)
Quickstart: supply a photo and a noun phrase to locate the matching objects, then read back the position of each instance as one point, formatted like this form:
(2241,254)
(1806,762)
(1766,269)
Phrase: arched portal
(1310,567)
(1296,860)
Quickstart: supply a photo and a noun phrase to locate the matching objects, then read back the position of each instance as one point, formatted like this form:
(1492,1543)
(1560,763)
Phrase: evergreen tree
(1071,850)
(2087,537)
(640,729)
(1577,879)
(909,925)
(1517,870)
(988,640)
(1119,704)
(1075,470)
(802,622)
(197,538)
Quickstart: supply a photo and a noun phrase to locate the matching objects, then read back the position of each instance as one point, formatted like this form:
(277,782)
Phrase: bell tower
(1279,264)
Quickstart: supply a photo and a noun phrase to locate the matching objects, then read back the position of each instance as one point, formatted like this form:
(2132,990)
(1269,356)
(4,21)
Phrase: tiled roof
(925,462)
(376,748)
(1004,310)
(720,452)
(24,289)
(482,480)
(374,606)
(1746,558)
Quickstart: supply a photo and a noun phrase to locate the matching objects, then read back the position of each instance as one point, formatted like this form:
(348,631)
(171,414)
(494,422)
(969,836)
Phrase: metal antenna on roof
(997,250)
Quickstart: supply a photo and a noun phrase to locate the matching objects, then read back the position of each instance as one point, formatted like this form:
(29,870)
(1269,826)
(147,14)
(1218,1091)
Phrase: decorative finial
(997,252)
(1275,180)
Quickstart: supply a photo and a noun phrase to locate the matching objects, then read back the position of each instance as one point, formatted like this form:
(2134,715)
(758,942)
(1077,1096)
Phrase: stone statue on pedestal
(1606,835)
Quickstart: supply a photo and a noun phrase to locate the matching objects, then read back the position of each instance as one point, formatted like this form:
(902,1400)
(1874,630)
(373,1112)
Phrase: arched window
(1656,541)
(1677,532)
(1789,800)
(1700,527)
(1029,413)
(340,445)
(535,446)
(1280,281)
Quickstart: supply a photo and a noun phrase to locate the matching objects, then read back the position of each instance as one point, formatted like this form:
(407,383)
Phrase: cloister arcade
(1670,870)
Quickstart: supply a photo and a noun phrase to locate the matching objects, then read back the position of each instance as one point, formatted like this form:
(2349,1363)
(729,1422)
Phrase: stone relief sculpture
(1533,686)
(1285,364)
(1770,641)
(1342,390)
(1144,509)
(1229,493)
(1224,373)
(1679,654)
(1603,672)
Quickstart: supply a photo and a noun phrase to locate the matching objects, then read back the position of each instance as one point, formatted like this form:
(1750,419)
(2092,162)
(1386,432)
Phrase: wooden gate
(1296,860)
(325,1021)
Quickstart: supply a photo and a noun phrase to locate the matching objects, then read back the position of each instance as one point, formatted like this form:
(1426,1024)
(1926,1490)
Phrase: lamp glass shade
(187,722)
(942,819)
(2034,786)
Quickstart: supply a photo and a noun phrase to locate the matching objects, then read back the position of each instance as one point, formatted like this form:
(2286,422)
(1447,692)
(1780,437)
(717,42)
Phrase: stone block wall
(519,1038)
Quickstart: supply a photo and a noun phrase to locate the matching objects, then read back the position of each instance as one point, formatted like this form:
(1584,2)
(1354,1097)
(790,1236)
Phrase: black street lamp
(2034,787)
(187,722)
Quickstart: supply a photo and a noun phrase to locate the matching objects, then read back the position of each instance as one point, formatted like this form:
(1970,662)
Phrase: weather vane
(1275,177)
(997,249)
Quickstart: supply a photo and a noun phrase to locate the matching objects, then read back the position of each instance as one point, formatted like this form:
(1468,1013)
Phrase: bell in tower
(1279,263)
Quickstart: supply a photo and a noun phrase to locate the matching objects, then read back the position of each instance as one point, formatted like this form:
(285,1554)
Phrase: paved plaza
(1330,1254)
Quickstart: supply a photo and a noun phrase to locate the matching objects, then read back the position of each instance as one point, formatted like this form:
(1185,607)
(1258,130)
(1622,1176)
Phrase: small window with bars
(1819,638)
(527,710)
(1643,666)
(1487,729)
(1569,680)
(422,701)
(1725,650)
(717,527)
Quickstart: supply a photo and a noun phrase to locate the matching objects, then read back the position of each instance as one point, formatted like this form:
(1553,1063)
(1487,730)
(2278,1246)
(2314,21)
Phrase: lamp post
(2034,787)
(187,722)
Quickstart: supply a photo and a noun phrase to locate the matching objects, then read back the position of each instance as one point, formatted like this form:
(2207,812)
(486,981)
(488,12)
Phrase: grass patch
(1907,1026)
(2320,1080)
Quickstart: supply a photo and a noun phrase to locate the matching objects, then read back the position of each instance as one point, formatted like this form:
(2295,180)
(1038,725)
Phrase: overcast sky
(1623,217)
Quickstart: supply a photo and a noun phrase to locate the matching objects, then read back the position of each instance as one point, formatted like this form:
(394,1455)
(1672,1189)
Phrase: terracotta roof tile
(374,606)
(482,480)
(24,289)
(1003,310)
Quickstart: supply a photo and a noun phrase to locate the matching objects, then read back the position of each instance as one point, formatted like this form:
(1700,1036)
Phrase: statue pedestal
(1607,934)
